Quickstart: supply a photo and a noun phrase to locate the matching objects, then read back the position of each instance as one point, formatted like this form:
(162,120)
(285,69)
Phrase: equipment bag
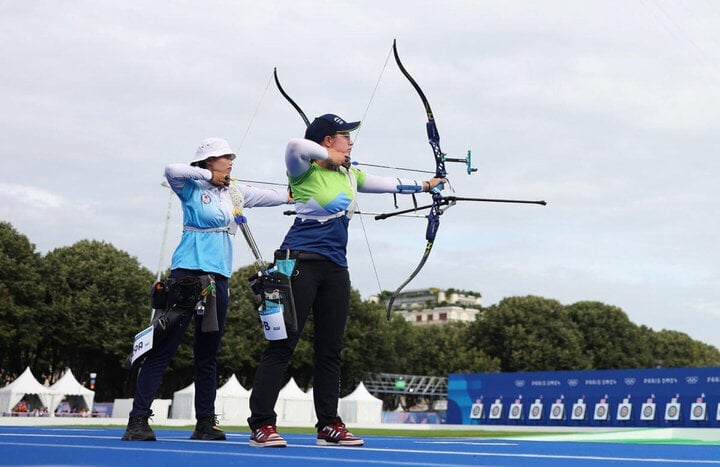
(187,294)
(273,292)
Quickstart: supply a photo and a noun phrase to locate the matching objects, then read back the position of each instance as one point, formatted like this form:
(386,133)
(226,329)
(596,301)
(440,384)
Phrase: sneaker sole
(322,442)
(206,437)
(131,438)
(269,444)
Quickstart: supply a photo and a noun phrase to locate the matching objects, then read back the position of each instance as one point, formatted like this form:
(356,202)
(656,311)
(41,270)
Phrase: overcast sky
(609,110)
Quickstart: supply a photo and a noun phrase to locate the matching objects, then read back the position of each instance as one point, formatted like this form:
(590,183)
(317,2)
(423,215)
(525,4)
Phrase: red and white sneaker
(335,434)
(267,437)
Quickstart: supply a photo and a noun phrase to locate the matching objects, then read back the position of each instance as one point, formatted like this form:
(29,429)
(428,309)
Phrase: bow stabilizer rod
(451,200)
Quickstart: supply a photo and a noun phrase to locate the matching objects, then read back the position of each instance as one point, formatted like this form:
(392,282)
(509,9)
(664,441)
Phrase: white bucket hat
(212,147)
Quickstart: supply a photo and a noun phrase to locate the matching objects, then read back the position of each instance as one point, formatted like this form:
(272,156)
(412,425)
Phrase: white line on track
(469,443)
(268,453)
(262,454)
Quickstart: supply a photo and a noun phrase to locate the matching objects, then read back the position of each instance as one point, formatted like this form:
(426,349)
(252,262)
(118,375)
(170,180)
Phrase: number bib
(143,343)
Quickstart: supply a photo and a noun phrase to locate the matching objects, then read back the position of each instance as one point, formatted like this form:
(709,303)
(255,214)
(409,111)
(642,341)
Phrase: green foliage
(611,340)
(97,299)
(21,293)
(676,349)
(530,334)
(368,343)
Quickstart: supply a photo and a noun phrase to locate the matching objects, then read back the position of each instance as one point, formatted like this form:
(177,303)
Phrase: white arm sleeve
(377,184)
(300,152)
(262,196)
(176,175)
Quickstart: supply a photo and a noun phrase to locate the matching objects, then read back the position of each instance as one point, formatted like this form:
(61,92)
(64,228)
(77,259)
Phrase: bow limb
(432,131)
(289,99)
(440,172)
(433,224)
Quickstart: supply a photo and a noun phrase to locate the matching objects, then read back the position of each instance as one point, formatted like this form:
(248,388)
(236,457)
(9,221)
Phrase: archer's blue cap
(328,125)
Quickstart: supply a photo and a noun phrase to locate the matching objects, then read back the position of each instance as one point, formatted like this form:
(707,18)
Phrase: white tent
(183,405)
(24,384)
(295,406)
(67,385)
(361,407)
(232,400)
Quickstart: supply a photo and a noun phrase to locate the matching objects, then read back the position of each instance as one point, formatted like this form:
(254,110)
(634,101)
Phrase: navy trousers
(205,351)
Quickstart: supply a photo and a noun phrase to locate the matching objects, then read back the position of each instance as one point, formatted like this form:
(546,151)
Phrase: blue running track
(55,446)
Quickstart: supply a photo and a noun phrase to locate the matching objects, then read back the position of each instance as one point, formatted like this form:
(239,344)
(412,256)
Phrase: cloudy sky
(609,110)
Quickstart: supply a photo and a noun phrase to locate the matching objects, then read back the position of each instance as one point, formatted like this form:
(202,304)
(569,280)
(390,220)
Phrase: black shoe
(138,429)
(207,429)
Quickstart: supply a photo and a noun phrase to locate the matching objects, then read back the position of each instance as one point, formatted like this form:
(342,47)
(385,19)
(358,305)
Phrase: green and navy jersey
(323,198)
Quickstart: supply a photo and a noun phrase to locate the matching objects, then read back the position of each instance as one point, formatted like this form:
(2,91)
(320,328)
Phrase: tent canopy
(292,391)
(66,386)
(361,394)
(360,406)
(183,404)
(24,384)
(232,388)
(294,405)
(232,401)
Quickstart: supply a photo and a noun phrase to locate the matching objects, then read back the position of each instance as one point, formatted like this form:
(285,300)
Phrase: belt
(300,255)
(321,218)
(209,229)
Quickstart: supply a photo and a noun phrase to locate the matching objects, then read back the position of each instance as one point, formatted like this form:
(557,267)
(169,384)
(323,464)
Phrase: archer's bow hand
(434,184)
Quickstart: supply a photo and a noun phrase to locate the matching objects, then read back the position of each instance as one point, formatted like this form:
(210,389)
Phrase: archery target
(698,412)
(648,411)
(602,411)
(515,412)
(672,411)
(476,411)
(578,411)
(495,411)
(535,412)
(624,411)
(557,411)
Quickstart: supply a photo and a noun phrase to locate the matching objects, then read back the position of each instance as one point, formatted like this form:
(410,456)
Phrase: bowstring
(357,135)
(257,109)
(258,262)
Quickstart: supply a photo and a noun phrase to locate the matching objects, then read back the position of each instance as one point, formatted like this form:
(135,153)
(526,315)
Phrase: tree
(97,299)
(443,349)
(673,349)
(610,339)
(530,334)
(21,292)
(369,343)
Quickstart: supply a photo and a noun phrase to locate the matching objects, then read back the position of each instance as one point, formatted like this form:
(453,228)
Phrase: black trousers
(205,351)
(322,287)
